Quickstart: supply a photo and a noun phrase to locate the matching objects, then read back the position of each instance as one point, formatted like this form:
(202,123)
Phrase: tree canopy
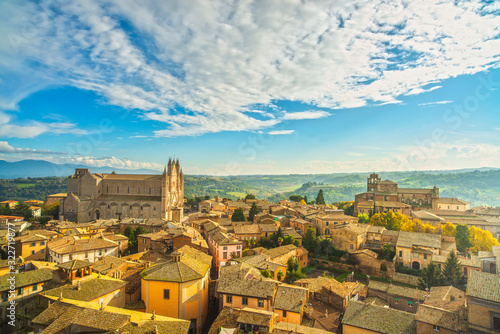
(452,271)
(254,210)
(238,215)
(320,199)
(430,276)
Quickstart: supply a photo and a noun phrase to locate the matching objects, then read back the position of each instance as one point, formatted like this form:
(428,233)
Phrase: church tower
(172,194)
(372,182)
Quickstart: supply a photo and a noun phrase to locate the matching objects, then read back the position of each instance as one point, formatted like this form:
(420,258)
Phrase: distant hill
(478,186)
(41,168)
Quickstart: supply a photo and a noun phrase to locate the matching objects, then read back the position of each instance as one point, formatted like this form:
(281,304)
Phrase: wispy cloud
(434,103)
(281,132)
(419,90)
(309,114)
(216,60)
(6,148)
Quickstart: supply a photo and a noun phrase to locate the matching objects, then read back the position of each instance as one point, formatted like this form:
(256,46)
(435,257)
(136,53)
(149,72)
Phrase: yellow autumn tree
(481,240)
(449,229)
(390,220)
(428,228)
(407,226)
(438,229)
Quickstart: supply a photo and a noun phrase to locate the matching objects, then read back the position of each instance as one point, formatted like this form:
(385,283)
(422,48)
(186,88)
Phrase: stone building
(116,196)
(389,191)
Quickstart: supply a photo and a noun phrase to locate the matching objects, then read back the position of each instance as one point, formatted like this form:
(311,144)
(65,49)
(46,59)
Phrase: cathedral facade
(93,196)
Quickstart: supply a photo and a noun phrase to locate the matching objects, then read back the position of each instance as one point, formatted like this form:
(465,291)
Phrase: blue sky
(247,88)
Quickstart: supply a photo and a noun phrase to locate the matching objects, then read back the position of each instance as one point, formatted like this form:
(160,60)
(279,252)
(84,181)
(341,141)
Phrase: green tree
(238,215)
(266,273)
(250,196)
(279,275)
(363,218)
(293,264)
(296,198)
(254,210)
(289,240)
(320,200)
(310,240)
(305,198)
(139,230)
(430,276)
(462,237)
(24,210)
(452,270)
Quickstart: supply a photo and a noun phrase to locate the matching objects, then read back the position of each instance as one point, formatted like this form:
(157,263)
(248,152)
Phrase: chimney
(60,296)
(177,256)
(153,317)
(78,286)
(102,306)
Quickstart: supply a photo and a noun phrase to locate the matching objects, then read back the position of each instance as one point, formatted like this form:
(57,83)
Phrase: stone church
(387,195)
(94,196)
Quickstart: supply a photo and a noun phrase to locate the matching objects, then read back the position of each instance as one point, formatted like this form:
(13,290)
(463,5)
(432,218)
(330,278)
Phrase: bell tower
(172,195)
(372,182)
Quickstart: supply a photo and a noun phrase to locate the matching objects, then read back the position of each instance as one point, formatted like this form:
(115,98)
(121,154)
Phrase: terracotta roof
(448,200)
(107,263)
(483,285)
(26,278)
(446,297)
(89,289)
(290,298)
(396,290)
(72,244)
(247,229)
(75,264)
(410,239)
(62,314)
(379,319)
(256,317)
(279,251)
(187,269)
(245,280)
(454,321)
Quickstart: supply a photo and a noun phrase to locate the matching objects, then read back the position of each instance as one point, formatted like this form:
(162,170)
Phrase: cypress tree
(452,270)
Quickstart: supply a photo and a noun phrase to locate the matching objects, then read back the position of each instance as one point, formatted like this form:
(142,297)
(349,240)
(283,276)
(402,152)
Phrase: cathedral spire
(165,171)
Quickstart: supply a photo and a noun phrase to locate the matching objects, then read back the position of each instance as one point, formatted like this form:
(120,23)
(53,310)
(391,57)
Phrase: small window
(229,299)
(436,328)
(400,253)
(238,247)
(42,243)
(284,314)
(352,238)
(224,248)
(327,223)
(42,250)
(260,303)
(32,252)
(33,244)
(19,291)
(396,300)
(496,321)
(351,246)
(224,255)
(410,303)
(143,241)
(166,294)
(244,300)
(425,256)
(35,287)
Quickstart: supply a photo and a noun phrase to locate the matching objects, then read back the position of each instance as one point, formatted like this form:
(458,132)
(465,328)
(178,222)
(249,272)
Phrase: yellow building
(179,288)
(483,302)
(32,245)
(25,284)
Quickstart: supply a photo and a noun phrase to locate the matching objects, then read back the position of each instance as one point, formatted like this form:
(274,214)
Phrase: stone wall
(403,278)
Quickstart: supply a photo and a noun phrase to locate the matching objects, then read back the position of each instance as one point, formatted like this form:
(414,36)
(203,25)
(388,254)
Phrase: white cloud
(309,114)
(6,148)
(433,103)
(64,158)
(419,90)
(199,67)
(281,132)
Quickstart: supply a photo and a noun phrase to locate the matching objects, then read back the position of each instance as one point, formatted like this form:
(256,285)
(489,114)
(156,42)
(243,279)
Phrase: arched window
(117,189)
(150,190)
